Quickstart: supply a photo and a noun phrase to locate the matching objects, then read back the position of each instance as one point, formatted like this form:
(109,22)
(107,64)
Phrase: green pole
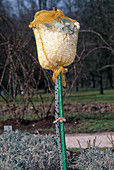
(57,124)
(62,123)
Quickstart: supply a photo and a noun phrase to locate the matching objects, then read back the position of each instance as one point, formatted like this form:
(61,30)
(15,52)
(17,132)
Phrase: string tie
(60,119)
(56,73)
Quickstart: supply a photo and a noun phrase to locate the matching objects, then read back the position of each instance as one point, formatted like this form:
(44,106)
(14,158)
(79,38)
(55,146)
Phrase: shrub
(95,159)
(28,151)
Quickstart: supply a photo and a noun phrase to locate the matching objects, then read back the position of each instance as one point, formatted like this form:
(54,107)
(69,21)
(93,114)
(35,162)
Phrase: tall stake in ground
(62,122)
(57,125)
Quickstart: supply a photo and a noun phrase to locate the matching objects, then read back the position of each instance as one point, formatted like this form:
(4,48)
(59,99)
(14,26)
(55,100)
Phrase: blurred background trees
(20,72)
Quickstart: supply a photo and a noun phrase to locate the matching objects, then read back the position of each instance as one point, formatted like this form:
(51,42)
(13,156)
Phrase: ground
(29,125)
(88,118)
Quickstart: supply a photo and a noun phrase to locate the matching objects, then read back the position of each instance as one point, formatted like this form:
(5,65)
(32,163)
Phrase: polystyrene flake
(56,46)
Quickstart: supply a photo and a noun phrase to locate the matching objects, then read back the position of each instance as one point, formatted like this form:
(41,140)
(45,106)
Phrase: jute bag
(56,39)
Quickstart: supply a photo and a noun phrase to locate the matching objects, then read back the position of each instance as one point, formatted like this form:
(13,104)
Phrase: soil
(29,125)
(45,124)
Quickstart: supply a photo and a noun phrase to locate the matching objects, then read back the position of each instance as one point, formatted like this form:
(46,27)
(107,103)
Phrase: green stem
(62,123)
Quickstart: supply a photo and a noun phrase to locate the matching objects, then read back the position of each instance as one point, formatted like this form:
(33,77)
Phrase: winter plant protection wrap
(56,39)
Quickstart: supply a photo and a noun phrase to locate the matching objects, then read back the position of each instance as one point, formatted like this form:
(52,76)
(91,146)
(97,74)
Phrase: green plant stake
(62,122)
(57,125)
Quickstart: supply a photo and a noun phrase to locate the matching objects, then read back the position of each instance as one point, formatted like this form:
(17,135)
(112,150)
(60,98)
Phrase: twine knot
(60,119)
(56,73)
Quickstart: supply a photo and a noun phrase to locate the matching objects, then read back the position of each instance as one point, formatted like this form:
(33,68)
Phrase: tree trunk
(110,77)
(44,4)
(77,85)
(101,83)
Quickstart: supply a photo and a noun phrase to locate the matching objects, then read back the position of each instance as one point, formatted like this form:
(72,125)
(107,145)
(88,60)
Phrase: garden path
(102,139)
